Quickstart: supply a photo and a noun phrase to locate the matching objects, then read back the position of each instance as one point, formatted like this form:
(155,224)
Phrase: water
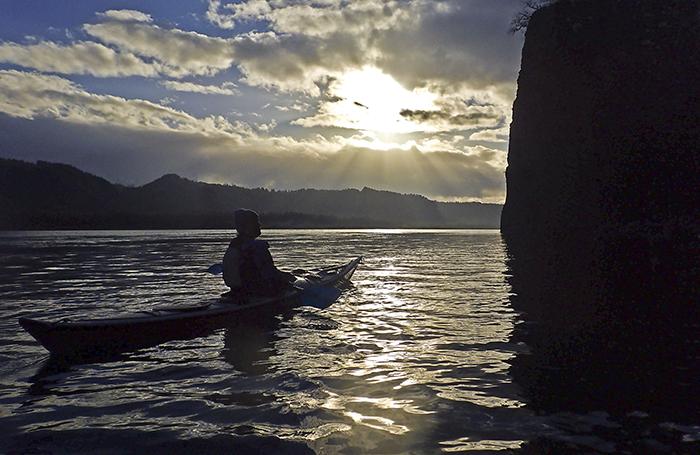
(415,358)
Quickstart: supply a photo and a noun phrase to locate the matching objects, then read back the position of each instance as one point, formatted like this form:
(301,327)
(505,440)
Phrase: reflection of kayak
(97,337)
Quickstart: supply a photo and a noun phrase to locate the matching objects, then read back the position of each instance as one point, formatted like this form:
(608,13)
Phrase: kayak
(100,337)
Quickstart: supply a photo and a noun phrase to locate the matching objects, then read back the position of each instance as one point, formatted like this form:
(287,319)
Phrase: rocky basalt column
(605,126)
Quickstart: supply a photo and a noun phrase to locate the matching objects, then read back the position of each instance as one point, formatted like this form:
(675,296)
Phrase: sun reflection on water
(413,358)
(415,345)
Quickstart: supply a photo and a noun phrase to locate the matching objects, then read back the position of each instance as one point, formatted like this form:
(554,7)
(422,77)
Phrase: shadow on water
(48,375)
(248,345)
(612,328)
(248,342)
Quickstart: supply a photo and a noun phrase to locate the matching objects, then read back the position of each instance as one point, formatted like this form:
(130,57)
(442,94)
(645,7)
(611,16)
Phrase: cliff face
(601,216)
(605,125)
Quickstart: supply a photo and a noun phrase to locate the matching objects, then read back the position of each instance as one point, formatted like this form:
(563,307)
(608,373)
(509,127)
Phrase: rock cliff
(605,125)
(601,216)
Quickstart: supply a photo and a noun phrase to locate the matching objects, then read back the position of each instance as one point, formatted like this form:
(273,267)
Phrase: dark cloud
(468,44)
(466,120)
(295,62)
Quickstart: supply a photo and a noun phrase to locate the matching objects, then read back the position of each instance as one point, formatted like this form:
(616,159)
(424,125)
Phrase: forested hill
(46,195)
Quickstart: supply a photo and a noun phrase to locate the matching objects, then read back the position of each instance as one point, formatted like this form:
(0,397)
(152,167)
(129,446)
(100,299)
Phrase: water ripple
(413,358)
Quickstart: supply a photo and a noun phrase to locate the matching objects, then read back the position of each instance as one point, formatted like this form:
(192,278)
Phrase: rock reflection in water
(612,330)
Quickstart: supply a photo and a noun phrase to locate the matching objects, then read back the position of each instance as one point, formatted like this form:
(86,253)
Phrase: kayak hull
(104,337)
(78,339)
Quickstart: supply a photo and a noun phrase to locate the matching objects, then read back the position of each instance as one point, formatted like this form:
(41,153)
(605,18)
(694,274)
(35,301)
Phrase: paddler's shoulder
(260,244)
(235,243)
(255,244)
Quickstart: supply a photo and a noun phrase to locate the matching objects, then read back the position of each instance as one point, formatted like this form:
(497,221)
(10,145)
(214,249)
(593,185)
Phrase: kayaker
(248,266)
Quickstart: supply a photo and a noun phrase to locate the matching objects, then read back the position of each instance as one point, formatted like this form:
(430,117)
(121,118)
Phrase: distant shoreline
(54,196)
(265,228)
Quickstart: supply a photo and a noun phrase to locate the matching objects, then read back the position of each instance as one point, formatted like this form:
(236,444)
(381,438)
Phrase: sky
(413,96)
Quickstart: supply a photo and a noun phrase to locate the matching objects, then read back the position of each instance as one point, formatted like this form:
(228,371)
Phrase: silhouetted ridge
(49,196)
(53,188)
(168,180)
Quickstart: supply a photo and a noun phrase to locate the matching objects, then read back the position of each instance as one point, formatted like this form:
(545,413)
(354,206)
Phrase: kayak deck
(98,337)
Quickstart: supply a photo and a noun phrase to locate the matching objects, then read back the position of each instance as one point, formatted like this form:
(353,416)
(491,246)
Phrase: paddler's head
(247,223)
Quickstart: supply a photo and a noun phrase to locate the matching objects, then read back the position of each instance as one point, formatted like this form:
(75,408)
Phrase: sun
(371,100)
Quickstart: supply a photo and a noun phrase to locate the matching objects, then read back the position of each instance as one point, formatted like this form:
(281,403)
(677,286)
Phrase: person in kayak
(248,266)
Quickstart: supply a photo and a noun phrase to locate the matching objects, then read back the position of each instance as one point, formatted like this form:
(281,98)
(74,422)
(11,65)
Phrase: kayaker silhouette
(248,266)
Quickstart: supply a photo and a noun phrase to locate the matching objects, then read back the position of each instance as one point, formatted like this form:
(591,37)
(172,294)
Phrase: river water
(415,357)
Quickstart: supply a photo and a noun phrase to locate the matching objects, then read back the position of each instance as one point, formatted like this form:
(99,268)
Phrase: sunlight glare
(372,101)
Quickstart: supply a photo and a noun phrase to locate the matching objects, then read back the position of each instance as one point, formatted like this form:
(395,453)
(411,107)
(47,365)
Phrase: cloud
(444,45)
(215,17)
(313,18)
(127,15)
(491,135)
(78,58)
(453,44)
(251,9)
(358,18)
(266,127)
(243,11)
(444,120)
(294,62)
(306,42)
(143,49)
(298,106)
(459,112)
(34,95)
(180,52)
(450,45)
(227,88)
